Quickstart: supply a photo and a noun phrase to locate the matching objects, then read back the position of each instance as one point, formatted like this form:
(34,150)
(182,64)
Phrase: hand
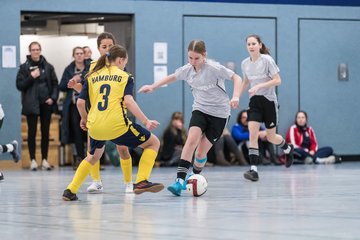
(252,91)
(71,83)
(151,124)
(312,152)
(35,73)
(83,124)
(146,89)
(77,78)
(234,102)
(49,101)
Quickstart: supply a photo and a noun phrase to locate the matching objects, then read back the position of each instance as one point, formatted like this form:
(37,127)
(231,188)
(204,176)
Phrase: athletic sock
(284,146)
(183,168)
(199,165)
(95,172)
(80,175)
(146,165)
(126,167)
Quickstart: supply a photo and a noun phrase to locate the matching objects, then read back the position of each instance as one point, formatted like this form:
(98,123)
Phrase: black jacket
(65,121)
(31,91)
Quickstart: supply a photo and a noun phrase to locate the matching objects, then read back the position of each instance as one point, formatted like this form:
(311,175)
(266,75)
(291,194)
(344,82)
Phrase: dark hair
(105,35)
(263,49)
(197,46)
(34,43)
(170,127)
(75,48)
(238,120)
(306,117)
(114,52)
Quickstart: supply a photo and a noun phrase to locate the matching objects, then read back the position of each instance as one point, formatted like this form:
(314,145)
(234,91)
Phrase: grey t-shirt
(208,87)
(260,71)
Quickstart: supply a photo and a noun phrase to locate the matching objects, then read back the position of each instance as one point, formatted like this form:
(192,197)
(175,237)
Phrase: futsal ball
(196,185)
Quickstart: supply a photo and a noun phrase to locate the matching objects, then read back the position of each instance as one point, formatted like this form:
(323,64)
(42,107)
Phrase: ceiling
(47,22)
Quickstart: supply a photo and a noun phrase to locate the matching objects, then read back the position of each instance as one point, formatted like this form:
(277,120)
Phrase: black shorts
(135,136)
(263,110)
(211,126)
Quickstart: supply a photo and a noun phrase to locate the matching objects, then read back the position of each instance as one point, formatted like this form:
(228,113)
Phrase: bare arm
(82,111)
(234,102)
(149,88)
(134,108)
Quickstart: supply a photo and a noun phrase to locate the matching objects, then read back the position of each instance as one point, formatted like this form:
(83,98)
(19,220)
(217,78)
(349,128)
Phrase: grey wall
(307,51)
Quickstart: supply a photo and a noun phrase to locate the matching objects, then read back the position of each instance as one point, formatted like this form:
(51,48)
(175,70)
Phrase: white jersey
(208,87)
(260,71)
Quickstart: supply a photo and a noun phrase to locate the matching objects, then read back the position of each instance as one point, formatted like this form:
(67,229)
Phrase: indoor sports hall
(314,46)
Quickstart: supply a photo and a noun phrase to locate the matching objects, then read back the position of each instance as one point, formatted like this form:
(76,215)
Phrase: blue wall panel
(332,105)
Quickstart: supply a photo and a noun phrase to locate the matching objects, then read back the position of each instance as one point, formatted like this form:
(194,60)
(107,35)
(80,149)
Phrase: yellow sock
(146,164)
(95,171)
(126,167)
(80,175)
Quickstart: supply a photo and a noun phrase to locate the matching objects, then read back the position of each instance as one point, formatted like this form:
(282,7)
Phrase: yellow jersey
(106,88)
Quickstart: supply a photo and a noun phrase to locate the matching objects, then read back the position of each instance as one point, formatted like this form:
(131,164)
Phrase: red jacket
(295,137)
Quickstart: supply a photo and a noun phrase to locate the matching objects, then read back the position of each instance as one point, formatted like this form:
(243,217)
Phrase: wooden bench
(54,143)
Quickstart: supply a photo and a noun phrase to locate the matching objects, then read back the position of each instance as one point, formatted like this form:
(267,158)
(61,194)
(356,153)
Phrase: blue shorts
(135,136)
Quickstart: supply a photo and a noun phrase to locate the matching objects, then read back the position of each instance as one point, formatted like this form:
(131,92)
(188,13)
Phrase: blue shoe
(176,188)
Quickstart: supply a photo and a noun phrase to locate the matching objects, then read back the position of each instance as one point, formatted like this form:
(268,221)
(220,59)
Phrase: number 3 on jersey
(105,90)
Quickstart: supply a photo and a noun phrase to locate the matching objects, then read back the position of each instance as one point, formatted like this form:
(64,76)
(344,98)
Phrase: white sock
(254,168)
(10,147)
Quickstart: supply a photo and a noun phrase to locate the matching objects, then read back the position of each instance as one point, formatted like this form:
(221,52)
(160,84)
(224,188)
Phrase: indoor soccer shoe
(14,153)
(289,158)
(177,187)
(95,187)
(1,176)
(251,175)
(69,196)
(146,186)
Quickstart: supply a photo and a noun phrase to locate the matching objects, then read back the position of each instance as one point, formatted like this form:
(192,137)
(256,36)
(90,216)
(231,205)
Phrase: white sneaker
(45,165)
(95,187)
(33,166)
(129,187)
(308,160)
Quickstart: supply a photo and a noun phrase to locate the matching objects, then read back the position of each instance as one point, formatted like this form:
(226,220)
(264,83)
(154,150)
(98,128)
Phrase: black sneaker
(251,175)
(1,176)
(289,158)
(338,158)
(146,186)
(69,196)
(14,153)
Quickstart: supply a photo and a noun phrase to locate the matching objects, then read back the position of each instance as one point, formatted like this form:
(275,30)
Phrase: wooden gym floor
(302,202)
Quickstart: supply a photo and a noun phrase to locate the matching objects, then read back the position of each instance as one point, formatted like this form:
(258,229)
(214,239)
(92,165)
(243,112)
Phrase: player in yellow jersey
(110,89)
(104,42)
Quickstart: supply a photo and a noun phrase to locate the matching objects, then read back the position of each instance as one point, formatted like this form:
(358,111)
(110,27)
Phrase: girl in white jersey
(211,107)
(262,73)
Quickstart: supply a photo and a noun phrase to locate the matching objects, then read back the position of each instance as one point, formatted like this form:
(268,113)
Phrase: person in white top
(210,109)
(262,73)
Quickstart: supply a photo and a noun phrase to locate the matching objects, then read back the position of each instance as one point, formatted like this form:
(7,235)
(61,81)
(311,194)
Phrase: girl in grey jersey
(262,73)
(210,109)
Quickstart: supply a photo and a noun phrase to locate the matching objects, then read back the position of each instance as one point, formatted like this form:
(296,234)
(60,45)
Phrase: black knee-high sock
(183,168)
(254,156)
